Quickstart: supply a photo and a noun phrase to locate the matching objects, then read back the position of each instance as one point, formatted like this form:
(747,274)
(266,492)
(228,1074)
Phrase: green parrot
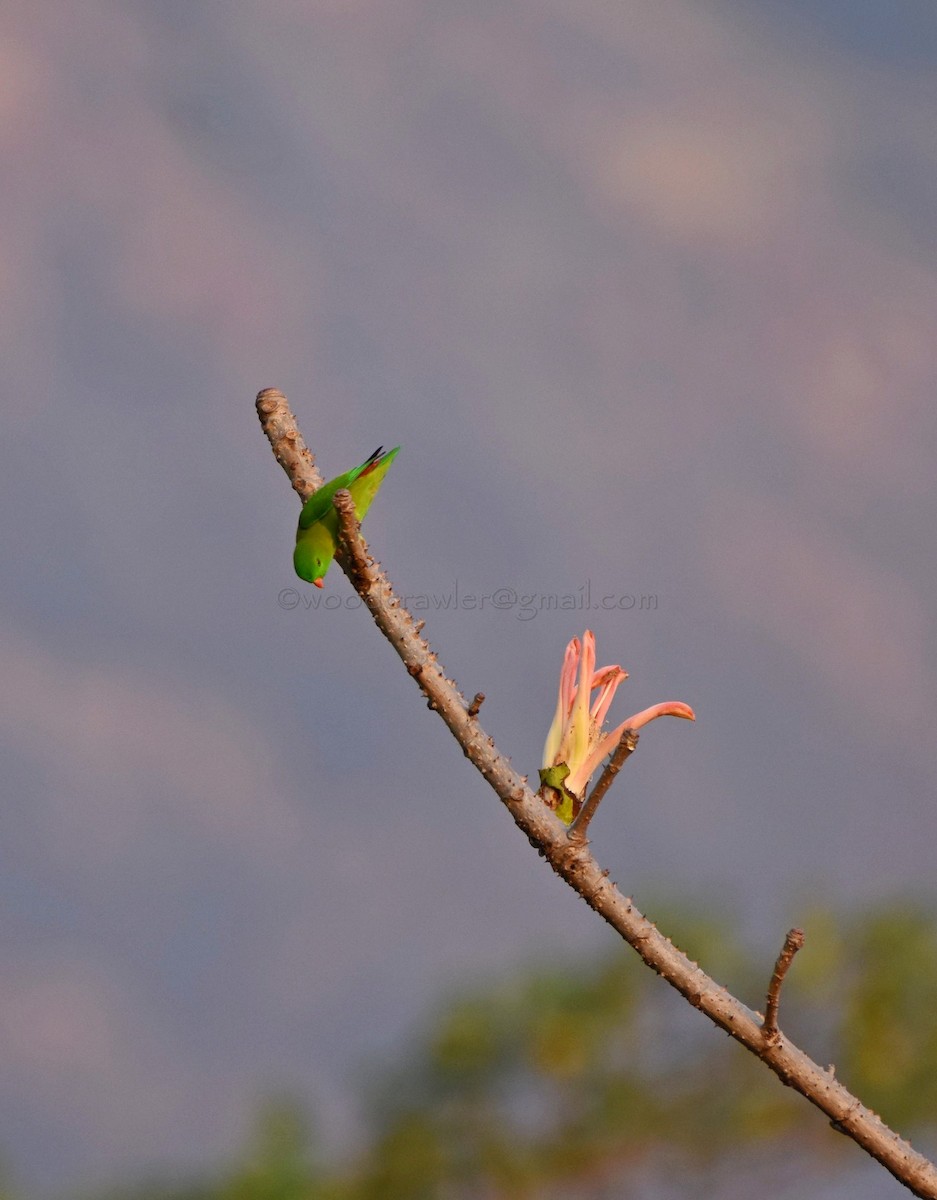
(317,534)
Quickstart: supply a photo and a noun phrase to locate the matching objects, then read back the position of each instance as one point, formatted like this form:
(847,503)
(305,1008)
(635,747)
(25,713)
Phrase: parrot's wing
(364,488)
(320,502)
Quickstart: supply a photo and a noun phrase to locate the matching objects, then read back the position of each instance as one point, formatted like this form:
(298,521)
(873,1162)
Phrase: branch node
(477,701)
(841,1124)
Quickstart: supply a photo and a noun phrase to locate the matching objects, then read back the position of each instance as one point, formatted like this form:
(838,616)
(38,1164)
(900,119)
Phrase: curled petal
(607,681)
(603,674)
(583,772)
(669,708)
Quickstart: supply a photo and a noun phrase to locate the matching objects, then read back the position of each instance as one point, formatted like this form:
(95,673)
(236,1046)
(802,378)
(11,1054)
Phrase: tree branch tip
(268,399)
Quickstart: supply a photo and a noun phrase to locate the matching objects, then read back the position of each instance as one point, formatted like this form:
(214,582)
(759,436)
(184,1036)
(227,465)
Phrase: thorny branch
(572,861)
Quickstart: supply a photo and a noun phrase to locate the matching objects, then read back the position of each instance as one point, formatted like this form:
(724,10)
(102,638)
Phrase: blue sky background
(647,293)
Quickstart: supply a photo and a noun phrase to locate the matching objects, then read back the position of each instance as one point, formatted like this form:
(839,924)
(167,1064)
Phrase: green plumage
(317,534)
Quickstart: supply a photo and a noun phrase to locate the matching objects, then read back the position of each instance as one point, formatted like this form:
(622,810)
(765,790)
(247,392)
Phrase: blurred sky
(648,294)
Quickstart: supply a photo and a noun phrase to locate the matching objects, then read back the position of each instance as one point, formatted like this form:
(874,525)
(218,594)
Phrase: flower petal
(607,681)
(579,728)
(583,771)
(669,708)
(567,692)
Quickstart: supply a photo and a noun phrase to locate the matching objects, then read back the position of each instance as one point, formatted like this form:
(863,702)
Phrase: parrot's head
(311,564)
(318,565)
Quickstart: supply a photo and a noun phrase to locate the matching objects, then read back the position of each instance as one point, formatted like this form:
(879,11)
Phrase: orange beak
(319,582)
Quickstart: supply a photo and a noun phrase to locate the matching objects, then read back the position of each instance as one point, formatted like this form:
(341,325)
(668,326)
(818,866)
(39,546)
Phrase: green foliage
(579,1080)
(278,1164)
(593,1071)
(889,1030)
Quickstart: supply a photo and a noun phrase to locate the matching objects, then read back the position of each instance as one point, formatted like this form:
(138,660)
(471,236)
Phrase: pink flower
(576,744)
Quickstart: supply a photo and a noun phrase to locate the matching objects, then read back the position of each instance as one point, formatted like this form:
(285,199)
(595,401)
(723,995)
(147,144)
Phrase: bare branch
(575,863)
(291,451)
(625,748)
(792,943)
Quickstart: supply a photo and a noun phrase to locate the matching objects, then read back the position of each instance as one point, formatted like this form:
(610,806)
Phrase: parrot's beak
(319,582)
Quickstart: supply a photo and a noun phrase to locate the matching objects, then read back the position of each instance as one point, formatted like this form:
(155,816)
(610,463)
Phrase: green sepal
(553,777)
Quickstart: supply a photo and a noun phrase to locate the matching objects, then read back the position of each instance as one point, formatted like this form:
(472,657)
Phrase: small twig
(477,701)
(625,748)
(792,943)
